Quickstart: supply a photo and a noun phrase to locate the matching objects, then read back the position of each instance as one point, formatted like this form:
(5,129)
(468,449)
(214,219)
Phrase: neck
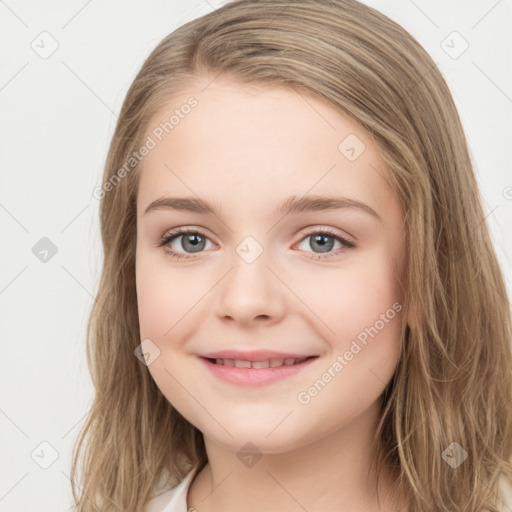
(331,473)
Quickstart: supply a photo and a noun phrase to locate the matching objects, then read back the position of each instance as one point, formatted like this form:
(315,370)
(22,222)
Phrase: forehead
(242,144)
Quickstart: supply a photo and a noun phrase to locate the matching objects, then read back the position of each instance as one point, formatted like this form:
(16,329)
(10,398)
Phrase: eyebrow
(292,205)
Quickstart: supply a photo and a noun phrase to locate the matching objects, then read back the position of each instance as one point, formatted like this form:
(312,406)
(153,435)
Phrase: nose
(251,291)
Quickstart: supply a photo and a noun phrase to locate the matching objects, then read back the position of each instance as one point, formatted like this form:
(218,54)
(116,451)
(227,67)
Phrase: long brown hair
(452,383)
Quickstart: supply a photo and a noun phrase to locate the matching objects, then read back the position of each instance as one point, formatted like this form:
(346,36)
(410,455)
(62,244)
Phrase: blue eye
(195,240)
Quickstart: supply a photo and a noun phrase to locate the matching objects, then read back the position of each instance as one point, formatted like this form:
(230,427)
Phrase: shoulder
(172,500)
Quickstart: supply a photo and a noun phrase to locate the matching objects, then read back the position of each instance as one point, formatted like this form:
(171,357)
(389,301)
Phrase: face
(320,280)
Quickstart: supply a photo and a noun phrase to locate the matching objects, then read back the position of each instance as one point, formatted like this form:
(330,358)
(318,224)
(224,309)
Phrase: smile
(255,373)
(270,363)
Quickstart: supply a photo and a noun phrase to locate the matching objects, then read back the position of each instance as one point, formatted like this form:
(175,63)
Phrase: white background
(58,115)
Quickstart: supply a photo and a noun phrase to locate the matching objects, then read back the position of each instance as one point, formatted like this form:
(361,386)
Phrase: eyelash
(171,236)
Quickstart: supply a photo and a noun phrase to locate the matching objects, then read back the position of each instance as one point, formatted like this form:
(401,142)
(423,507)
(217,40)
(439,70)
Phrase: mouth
(268,363)
(250,373)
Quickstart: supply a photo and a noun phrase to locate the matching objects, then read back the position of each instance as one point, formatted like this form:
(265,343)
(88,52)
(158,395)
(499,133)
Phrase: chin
(245,436)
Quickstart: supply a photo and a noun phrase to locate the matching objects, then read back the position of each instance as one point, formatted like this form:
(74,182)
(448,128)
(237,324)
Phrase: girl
(300,307)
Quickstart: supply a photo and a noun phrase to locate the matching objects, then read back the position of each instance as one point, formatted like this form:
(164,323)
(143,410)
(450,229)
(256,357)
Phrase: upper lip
(254,355)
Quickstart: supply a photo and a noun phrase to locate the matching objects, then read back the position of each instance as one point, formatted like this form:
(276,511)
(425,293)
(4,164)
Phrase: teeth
(260,364)
(272,363)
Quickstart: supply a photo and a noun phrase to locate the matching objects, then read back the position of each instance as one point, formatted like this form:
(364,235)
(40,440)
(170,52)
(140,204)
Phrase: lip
(254,355)
(253,377)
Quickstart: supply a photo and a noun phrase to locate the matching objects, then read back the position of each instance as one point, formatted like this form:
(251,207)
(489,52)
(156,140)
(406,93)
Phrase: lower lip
(255,376)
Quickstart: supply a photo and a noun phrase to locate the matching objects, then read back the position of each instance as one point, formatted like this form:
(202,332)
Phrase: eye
(324,240)
(194,240)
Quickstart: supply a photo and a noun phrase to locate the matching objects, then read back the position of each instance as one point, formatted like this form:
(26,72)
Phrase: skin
(246,149)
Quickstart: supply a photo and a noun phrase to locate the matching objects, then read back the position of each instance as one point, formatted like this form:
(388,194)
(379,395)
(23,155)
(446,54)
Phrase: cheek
(363,309)
(166,299)
(166,315)
(361,306)
(349,299)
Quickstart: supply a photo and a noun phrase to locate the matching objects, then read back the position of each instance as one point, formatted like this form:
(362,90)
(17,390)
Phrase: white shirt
(175,499)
